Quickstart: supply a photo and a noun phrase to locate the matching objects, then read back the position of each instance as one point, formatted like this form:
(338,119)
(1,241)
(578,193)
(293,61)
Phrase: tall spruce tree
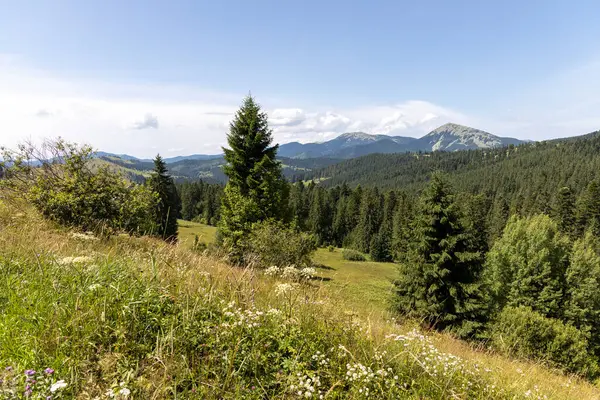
(440,281)
(369,220)
(565,211)
(401,227)
(256,189)
(168,206)
(589,210)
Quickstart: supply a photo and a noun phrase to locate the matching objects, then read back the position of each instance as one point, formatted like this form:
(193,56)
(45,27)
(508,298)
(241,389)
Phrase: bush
(526,266)
(522,332)
(272,243)
(66,187)
(331,249)
(353,255)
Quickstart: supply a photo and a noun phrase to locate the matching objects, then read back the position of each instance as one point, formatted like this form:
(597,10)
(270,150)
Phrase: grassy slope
(156,317)
(188,230)
(365,289)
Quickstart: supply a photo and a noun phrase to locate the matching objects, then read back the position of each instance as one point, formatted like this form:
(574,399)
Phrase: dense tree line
(200,201)
(376,222)
(526,177)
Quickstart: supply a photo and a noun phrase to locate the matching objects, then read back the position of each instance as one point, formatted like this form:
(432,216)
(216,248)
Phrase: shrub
(331,249)
(527,265)
(68,188)
(522,332)
(353,255)
(272,243)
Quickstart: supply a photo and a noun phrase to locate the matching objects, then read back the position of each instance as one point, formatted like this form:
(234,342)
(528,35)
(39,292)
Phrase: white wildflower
(290,272)
(84,236)
(308,273)
(124,392)
(273,271)
(58,385)
(283,289)
(74,260)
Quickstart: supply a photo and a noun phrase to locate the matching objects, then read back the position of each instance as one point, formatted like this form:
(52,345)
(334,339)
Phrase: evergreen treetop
(249,141)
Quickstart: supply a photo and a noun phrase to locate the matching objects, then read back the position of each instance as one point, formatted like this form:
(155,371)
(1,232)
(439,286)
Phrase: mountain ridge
(448,137)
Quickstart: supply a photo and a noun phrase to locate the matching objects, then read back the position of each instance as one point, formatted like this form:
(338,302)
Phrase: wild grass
(162,321)
(189,230)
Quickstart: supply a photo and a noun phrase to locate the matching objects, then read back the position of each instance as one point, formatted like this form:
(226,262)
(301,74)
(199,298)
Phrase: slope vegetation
(528,170)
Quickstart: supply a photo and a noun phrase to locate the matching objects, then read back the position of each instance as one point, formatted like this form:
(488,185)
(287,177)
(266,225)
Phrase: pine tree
(476,221)
(256,189)
(589,209)
(401,227)
(298,205)
(565,211)
(499,216)
(340,221)
(381,242)
(319,217)
(168,207)
(583,288)
(369,220)
(440,283)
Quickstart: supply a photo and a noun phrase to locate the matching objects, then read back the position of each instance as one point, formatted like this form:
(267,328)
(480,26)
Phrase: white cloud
(149,121)
(144,119)
(140,120)
(411,118)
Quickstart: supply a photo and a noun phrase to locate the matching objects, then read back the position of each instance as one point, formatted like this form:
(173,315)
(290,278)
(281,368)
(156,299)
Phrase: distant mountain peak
(357,136)
(452,137)
(458,130)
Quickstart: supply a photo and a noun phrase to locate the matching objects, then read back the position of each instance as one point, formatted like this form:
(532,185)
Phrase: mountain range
(301,159)
(448,137)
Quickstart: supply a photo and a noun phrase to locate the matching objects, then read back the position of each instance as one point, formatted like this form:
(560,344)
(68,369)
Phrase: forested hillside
(532,171)
(209,170)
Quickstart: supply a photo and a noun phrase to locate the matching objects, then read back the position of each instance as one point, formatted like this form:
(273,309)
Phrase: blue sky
(148,76)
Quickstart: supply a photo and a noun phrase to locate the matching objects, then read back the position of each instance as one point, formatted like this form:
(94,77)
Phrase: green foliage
(523,174)
(238,214)
(256,190)
(440,280)
(583,288)
(200,201)
(65,189)
(272,243)
(369,220)
(588,207)
(168,207)
(381,248)
(522,332)
(319,217)
(565,211)
(353,255)
(526,266)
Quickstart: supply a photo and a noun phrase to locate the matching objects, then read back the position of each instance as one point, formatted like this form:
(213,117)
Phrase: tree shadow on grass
(323,266)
